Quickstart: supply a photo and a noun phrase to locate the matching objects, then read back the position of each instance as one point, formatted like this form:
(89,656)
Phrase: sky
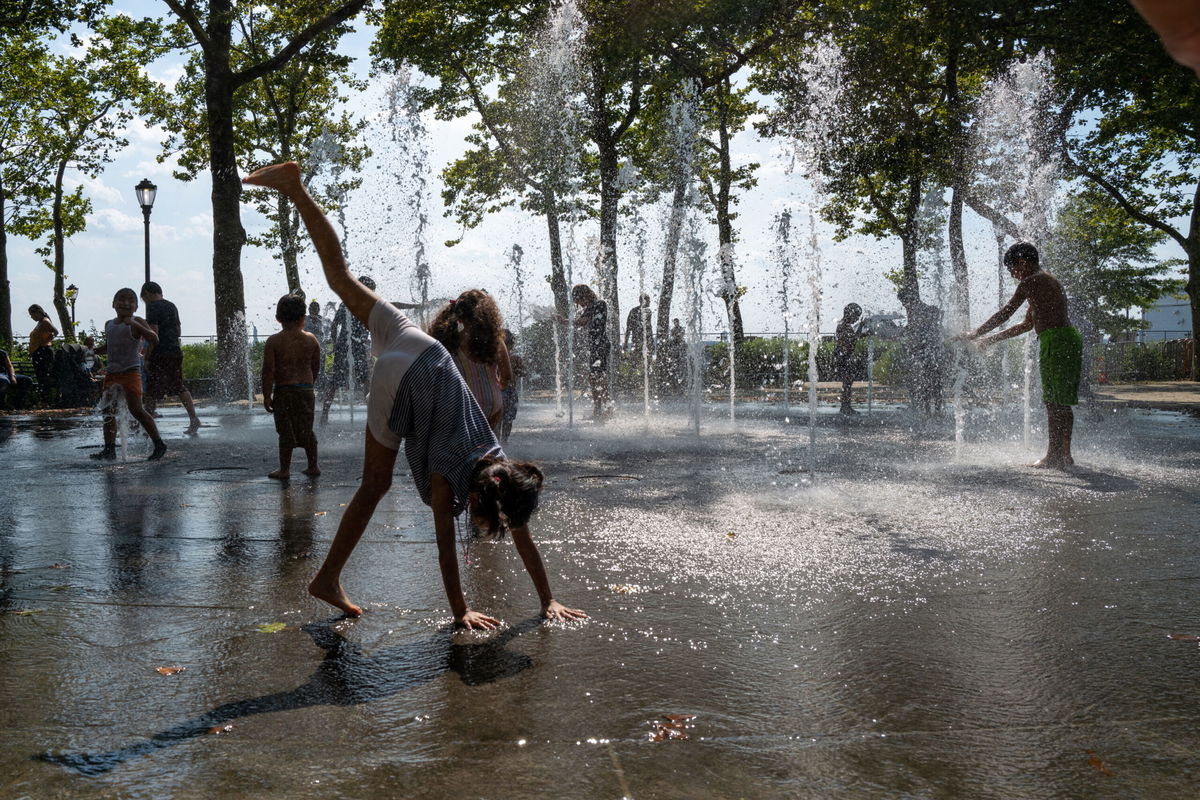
(109,254)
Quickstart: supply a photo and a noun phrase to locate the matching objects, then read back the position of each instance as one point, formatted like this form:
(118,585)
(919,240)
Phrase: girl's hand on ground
(557,611)
(473,620)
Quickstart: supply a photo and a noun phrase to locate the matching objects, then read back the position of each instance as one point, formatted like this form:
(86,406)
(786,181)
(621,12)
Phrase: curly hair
(474,315)
(506,491)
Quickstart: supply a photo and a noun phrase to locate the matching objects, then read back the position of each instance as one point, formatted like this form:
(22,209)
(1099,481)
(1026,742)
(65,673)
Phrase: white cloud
(111,219)
(94,188)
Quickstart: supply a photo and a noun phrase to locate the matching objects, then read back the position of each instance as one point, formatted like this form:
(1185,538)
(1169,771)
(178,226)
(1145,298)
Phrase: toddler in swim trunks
(291,361)
(1059,343)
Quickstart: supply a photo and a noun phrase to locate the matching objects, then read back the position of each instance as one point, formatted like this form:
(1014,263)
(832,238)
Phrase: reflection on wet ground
(914,620)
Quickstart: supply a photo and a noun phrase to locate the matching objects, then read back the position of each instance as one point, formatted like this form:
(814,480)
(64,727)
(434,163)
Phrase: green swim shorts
(1060,362)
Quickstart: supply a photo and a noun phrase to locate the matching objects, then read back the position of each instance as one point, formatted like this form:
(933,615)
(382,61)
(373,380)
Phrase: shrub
(199,361)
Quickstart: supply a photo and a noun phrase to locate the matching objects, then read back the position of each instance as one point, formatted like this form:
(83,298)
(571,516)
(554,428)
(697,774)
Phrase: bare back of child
(291,361)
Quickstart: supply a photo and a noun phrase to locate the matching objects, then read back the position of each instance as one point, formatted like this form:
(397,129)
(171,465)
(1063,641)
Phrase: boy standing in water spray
(418,396)
(1059,343)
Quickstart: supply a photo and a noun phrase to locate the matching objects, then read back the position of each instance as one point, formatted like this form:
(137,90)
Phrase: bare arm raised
(1006,311)
(285,178)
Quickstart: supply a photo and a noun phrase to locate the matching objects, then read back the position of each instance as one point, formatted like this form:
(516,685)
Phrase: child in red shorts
(123,339)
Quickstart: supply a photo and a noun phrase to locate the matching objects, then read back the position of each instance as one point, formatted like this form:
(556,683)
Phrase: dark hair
(507,492)
(125,290)
(479,317)
(1018,251)
(854,308)
(36,309)
(290,308)
(314,308)
(581,291)
(151,287)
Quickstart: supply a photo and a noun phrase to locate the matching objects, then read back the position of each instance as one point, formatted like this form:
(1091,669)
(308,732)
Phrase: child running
(418,395)
(291,361)
(123,339)
(1060,345)
(470,329)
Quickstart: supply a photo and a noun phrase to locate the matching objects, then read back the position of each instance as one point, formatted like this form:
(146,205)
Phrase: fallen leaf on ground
(60,565)
(216,729)
(271,627)
(675,727)
(62,588)
(1184,637)
(731,535)
(185,505)
(320,513)
(1095,761)
(169,670)
(624,589)
(25,612)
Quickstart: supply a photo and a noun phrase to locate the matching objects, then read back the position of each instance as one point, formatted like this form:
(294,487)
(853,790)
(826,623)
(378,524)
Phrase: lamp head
(145,193)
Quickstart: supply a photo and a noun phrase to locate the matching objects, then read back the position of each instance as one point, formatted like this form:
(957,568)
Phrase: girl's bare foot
(312,472)
(279,475)
(332,593)
(285,177)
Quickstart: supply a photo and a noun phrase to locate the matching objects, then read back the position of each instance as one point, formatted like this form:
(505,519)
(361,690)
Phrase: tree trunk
(558,277)
(6,334)
(228,234)
(60,300)
(670,257)
(725,223)
(958,261)
(910,286)
(1193,293)
(287,242)
(609,199)
(958,257)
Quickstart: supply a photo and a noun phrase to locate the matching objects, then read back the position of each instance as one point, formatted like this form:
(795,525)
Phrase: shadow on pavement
(345,677)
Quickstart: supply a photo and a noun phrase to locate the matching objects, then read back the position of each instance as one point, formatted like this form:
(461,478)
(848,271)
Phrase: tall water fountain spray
(694,248)
(409,139)
(327,151)
(784,264)
(639,244)
(1019,172)
(814,336)
(823,73)
(552,119)
(515,256)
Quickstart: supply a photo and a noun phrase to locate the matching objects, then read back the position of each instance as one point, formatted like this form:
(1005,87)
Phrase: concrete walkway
(1171,395)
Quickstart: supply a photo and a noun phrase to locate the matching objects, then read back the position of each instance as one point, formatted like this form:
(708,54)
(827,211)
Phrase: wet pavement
(923,620)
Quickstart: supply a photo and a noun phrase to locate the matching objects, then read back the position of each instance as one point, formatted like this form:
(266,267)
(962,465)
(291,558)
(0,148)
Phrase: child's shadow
(345,677)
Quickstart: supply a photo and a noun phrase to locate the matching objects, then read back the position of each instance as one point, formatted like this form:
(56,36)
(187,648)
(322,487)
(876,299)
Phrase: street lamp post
(145,194)
(72,292)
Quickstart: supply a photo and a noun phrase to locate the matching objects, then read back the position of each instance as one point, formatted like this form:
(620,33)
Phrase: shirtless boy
(291,360)
(1060,345)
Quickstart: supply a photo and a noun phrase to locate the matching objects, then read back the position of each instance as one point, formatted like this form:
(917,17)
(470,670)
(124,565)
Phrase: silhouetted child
(593,318)
(512,397)
(418,396)
(123,339)
(470,329)
(291,361)
(1060,345)
(846,367)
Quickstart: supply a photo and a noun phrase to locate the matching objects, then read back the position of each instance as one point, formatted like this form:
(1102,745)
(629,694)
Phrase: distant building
(1169,318)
